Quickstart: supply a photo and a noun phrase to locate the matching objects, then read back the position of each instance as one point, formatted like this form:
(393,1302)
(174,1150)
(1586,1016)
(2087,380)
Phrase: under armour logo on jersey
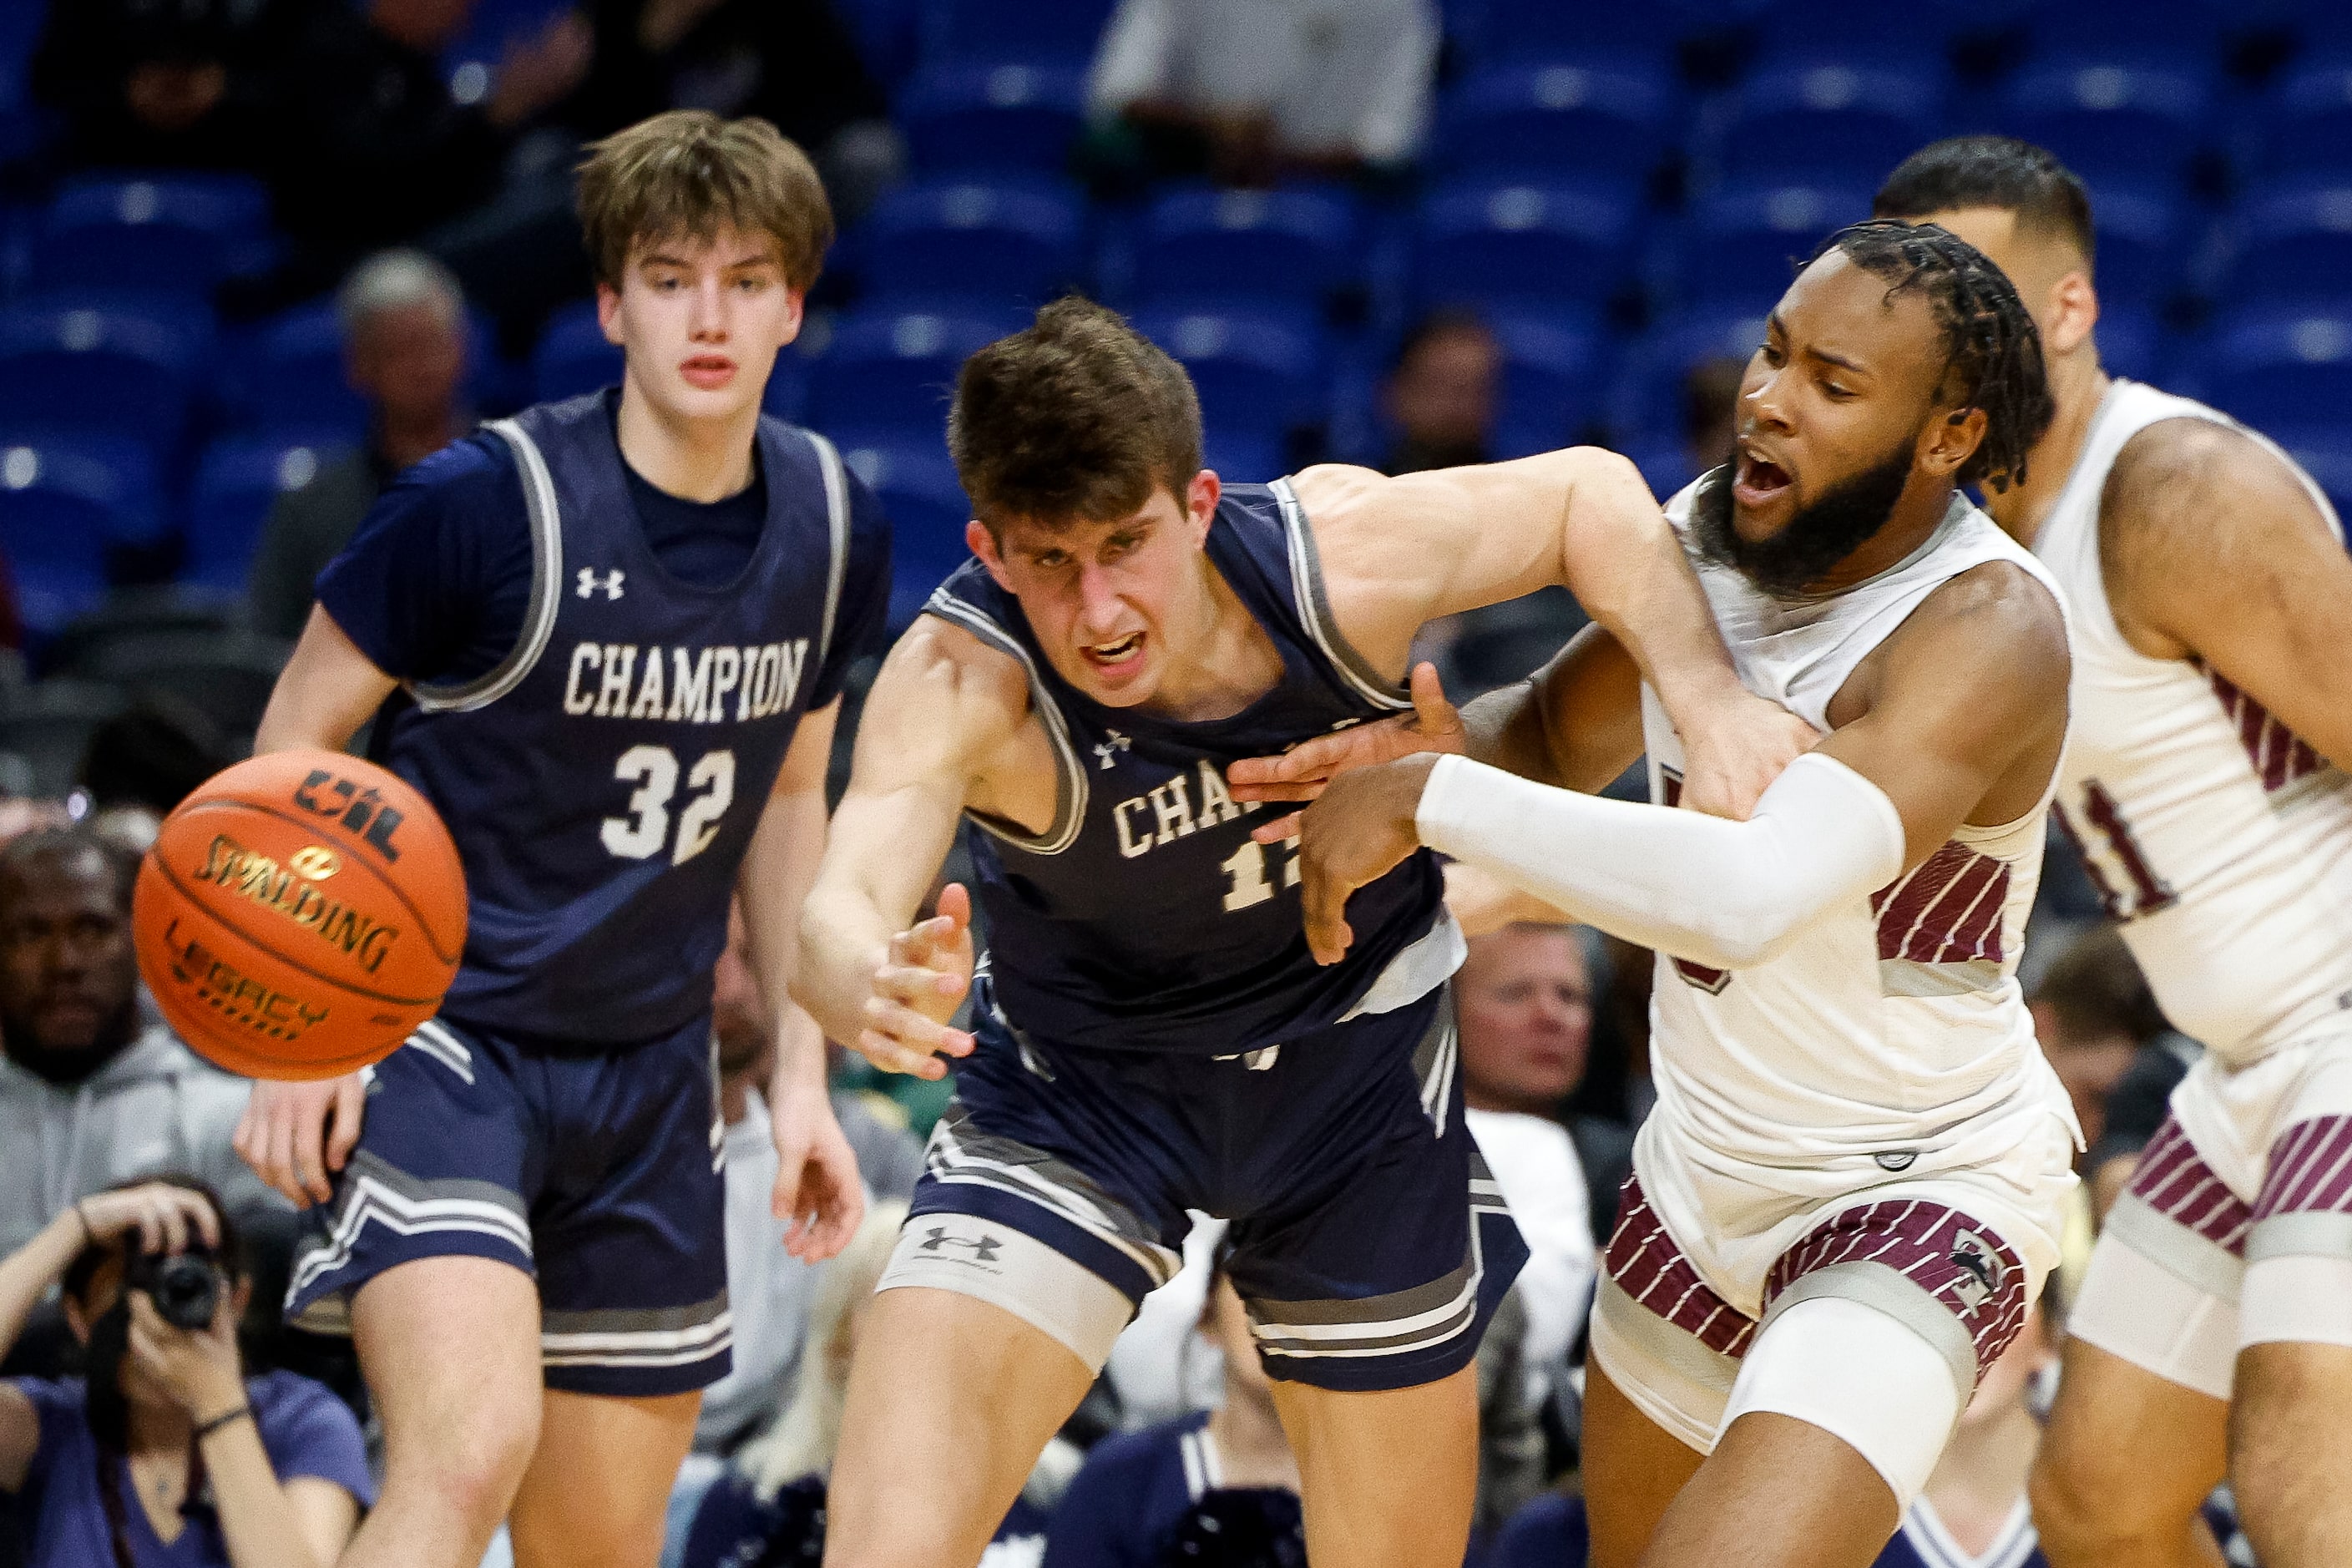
(983,1250)
(1980,1265)
(589,583)
(1103,753)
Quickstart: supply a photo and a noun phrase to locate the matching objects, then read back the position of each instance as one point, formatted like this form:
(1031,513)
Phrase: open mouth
(707,371)
(1116,655)
(1758,481)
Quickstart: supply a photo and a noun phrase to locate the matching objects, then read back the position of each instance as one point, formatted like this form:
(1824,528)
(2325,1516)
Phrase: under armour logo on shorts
(983,1250)
(589,584)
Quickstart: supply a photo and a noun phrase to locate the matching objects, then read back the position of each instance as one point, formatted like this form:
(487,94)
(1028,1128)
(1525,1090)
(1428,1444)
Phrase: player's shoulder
(471,474)
(950,665)
(2171,463)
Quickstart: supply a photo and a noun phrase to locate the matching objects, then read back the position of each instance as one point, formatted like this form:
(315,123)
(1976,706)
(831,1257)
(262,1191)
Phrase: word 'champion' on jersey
(621,681)
(1164,814)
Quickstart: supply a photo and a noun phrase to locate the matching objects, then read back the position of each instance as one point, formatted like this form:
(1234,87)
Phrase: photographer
(168,1451)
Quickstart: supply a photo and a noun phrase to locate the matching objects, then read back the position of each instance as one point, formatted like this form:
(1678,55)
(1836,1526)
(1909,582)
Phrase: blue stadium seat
(911,473)
(238,480)
(2308,126)
(165,233)
(1647,402)
(892,369)
(88,369)
(2295,245)
(1511,246)
(1255,371)
(1242,457)
(1798,32)
(990,245)
(2182,29)
(1742,243)
(1238,246)
(63,501)
(572,355)
(294,377)
(1829,120)
(2140,242)
(470,64)
(2110,118)
(1047,31)
(1009,117)
(1552,383)
(2132,341)
(2326,453)
(1531,120)
(1494,31)
(2274,368)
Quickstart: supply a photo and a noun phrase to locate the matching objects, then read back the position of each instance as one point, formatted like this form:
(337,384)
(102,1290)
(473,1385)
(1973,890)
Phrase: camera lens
(185,1291)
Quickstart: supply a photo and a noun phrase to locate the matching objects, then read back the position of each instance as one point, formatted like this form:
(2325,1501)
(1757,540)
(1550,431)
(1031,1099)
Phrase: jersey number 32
(654,770)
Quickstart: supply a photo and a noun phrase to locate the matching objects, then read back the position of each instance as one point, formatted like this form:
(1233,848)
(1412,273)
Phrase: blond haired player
(2212,697)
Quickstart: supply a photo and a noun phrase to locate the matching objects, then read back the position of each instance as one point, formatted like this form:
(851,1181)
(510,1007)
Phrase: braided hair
(1992,352)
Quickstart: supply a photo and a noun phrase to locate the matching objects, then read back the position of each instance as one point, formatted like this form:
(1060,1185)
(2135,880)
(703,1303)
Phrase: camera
(185,1286)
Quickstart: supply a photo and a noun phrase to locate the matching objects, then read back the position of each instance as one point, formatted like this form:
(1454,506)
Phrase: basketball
(299,914)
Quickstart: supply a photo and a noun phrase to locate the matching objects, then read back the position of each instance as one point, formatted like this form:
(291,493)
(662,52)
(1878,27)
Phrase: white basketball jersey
(2222,842)
(1882,1040)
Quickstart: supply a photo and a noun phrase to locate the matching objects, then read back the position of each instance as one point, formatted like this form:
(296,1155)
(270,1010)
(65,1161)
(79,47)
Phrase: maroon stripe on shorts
(2310,1169)
(1947,911)
(1647,1266)
(1961,1262)
(2173,1179)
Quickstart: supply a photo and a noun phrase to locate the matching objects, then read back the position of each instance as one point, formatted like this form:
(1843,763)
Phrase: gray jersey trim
(2179,1251)
(1070,799)
(546,588)
(2306,1233)
(1315,607)
(836,511)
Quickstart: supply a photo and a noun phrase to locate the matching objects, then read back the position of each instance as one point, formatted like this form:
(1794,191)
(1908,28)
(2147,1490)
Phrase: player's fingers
(1311,789)
(895,1056)
(309,1151)
(916,984)
(955,904)
(1280,828)
(1431,710)
(350,1109)
(913,1029)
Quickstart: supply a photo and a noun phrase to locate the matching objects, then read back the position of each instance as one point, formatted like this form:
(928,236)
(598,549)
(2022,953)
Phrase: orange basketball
(299,914)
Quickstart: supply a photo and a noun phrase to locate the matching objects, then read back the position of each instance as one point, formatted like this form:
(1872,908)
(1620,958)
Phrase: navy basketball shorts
(601,1176)
(1368,1240)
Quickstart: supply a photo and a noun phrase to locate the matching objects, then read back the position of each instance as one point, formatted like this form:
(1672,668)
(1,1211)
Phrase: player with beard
(1854,1179)
(2212,697)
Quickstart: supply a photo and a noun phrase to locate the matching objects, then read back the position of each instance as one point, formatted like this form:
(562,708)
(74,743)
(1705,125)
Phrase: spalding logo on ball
(299,915)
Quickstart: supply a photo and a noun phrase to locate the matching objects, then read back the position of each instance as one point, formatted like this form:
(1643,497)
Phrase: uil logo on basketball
(362,811)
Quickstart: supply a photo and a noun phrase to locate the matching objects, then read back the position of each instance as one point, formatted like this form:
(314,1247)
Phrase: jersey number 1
(654,770)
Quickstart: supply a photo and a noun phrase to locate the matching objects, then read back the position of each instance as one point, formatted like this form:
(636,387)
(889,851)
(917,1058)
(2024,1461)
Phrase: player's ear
(2074,310)
(608,313)
(1201,501)
(982,544)
(1950,440)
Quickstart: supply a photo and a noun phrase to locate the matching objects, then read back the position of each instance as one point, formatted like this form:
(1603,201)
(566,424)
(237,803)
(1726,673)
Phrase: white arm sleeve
(1726,894)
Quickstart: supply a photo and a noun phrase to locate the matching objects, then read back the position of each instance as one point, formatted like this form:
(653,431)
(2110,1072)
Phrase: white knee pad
(997,1264)
(2297,1299)
(1861,1375)
(2184,1331)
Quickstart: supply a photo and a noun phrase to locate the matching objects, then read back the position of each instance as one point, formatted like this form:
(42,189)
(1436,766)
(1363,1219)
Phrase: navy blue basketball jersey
(1145,918)
(603,782)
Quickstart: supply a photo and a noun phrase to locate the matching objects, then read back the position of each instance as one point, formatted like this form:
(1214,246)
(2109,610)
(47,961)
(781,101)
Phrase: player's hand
(1732,757)
(1305,771)
(918,986)
(818,1194)
(1361,828)
(284,1133)
(1482,901)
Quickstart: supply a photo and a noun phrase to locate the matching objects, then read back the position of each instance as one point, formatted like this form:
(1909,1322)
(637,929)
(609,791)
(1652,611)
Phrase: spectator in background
(1710,411)
(149,758)
(2100,1026)
(143,85)
(378,151)
(1441,396)
(1254,91)
(790,62)
(403,323)
(1128,1504)
(169,1449)
(89,1096)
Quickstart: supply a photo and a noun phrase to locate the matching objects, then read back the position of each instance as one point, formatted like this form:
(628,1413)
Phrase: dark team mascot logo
(1981,1270)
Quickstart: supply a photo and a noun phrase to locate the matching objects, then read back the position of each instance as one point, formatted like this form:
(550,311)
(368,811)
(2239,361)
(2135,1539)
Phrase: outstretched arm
(1400,551)
(1923,752)
(2213,550)
(943,705)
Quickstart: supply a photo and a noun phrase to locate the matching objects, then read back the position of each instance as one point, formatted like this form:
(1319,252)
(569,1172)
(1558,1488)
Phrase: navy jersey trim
(1315,607)
(837,514)
(546,579)
(1070,798)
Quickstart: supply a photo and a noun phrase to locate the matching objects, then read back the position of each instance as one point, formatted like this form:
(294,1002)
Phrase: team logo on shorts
(983,1250)
(1981,1270)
